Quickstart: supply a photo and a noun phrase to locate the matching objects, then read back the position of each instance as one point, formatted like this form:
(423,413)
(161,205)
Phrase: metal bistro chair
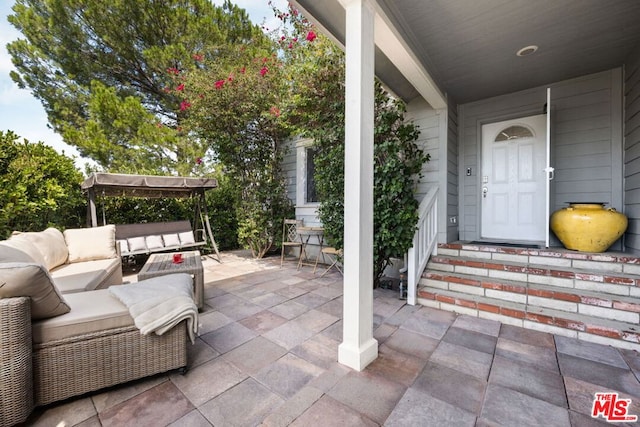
(334,256)
(290,238)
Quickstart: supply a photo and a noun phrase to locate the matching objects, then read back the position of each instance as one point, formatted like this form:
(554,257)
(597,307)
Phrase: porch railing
(424,243)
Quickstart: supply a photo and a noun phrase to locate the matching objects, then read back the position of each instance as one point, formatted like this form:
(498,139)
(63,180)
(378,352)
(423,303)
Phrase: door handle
(485,190)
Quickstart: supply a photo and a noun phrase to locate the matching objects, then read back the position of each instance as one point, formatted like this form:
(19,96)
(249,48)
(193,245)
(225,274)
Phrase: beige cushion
(124,246)
(84,276)
(92,311)
(26,247)
(186,238)
(154,242)
(86,244)
(11,254)
(32,280)
(50,243)
(171,239)
(137,244)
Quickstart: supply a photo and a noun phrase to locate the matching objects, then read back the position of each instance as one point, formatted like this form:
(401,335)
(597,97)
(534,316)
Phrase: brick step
(622,284)
(575,325)
(598,304)
(608,262)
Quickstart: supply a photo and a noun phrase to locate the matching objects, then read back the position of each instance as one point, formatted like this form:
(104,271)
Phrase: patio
(267,355)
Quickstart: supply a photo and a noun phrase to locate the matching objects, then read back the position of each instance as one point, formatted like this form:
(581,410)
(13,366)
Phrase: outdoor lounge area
(267,355)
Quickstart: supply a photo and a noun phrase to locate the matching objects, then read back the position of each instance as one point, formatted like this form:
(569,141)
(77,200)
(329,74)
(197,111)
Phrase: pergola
(150,186)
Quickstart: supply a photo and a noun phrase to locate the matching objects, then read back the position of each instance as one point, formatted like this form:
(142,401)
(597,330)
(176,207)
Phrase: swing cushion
(187,238)
(171,239)
(154,242)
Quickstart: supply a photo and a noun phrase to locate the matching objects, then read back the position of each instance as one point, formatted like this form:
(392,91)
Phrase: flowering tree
(233,106)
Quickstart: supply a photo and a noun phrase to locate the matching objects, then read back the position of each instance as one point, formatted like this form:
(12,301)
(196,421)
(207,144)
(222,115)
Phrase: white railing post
(424,243)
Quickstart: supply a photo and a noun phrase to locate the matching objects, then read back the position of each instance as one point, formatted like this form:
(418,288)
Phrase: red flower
(230,78)
(311,36)
(263,71)
(243,69)
(275,111)
(290,45)
(184,105)
(173,70)
(264,60)
(180,87)
(219,84)
(198,56)
(199,161)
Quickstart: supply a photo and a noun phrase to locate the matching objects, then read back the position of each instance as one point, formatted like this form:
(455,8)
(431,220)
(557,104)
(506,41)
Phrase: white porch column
(358,347)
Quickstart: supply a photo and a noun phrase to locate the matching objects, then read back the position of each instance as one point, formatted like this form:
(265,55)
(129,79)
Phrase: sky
(23,114)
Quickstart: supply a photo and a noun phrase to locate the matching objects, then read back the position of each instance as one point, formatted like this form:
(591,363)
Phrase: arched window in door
(514,132)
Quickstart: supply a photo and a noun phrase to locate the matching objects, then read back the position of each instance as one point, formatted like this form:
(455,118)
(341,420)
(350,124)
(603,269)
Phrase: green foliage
(73,50)
(39,188)
(318,112)
(234,107)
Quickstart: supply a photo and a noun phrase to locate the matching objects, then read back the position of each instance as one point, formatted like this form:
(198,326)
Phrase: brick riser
(587,296)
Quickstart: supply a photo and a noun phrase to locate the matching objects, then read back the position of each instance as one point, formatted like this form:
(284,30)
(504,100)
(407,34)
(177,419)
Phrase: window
(514,132)
(311,195)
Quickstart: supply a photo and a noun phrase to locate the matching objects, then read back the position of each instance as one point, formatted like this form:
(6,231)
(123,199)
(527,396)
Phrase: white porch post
(358,347)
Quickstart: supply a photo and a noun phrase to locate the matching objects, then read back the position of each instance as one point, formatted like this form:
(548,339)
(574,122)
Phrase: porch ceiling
(469,47)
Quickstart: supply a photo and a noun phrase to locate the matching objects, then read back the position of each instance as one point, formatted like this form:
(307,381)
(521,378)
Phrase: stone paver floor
(267,355)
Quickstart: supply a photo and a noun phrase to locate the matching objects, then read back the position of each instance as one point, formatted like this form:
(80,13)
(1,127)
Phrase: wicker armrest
(16,385)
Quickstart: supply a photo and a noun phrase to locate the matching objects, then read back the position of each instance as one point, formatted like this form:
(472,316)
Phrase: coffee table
(162,264)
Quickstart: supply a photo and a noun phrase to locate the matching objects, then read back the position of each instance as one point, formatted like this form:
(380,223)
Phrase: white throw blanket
(160,303)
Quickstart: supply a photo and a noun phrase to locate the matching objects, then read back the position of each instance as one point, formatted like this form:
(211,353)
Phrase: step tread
(529,285)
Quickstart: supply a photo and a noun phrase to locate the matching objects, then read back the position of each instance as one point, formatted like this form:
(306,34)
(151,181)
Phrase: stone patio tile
(245,404)
(507,407)
(288,375)
(401,315)
(329,292)
(225,300)
(90,422)
(320,350)
(452,386)
(384,331)
(241,310)
(192,419)
(148,408)
(292,408)
(112,397)
(412,343)
(289,310)
(205,382)
(199,353)
(250,292)
(580,420)
(599,373)
(228,337)
(333,307)
(527,336)
(269,299)
(386,296)
(371,395)
(263,321)
(396,366)
(291,292)
(212,291)
(477,324)
(330,377)
(422,324)
(334,331)
(67,413)
(315,320)
(211,321)
(471,339)
(384,310)
(311,300)
(466,360)
(633,360)
(330,412)
(254,355)
(528,379)
(417,408)
(541,357)
(581,395)
(288,335)
(590,351)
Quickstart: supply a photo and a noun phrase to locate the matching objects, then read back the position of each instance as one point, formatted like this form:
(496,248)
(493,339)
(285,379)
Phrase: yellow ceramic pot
(588,227)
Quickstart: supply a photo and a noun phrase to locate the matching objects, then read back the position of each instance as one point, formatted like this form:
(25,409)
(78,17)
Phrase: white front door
(513,191)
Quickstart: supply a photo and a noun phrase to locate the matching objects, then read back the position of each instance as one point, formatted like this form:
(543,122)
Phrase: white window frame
(304,209)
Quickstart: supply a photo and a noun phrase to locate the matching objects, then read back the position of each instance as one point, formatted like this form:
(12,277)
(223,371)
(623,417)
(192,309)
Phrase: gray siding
(452,173)
(632,150)
(289,169)
(586,147)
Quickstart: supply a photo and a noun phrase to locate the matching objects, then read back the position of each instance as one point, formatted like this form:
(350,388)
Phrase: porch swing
(154,236)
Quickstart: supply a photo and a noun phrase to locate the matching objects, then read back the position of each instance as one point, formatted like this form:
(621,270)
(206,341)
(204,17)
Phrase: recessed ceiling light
(527,50)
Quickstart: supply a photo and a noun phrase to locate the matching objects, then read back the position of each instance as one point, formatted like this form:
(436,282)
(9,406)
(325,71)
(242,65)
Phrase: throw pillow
(87,244)
(171,239)
(154,242)
(186,238)
(18,279)
(50,243)
(137,244)
(26,247)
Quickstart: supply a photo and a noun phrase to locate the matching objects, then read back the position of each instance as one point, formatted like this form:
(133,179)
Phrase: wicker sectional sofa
(63,334)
